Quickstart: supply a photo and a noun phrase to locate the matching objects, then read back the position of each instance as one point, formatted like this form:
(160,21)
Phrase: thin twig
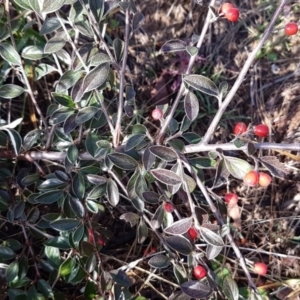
(182,87)
(122,80)
(95,25)
(212,128)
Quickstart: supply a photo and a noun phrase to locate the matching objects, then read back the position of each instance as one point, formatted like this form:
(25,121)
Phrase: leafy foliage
(107,163)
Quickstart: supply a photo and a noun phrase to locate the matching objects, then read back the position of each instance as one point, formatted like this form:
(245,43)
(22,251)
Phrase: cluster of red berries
(254,178)
(260,130)
(230,12)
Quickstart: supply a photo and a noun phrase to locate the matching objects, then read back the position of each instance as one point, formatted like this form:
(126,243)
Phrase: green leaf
(118,46)
(31,138)
(192,50)
(42,70)
(67,266)
(191,106)
(237,167)
(98,59)
(53,254)
(12,271)
(202,84)
(179,244)
(179,227)
(78,186)
(6,253)
(65,224)
(96,77)
(45,288)
(159,261)
(173,45)
(15,139)
(86,114)
(9,91)
(123,161)
(97,8)
(52,6)
(12,124)
(58,242)
(23,3)
(72,154)
(196,289)
(56,43)
(33,53)
(164,153)
(50,197)
(211,237)
(9,54)
(137,20)
(63,100)
(230,288)
(50,25)
(134,141)
(67,80)
(166,176)
(113,194)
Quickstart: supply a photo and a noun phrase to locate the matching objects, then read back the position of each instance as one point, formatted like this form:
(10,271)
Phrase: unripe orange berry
(199,272)
(232,14)
(169,207)
(291,28)
(264,179)
(261,130)
(260,268)
(231,199)
(225,7)
(193,234)
(157,114)
(251,178)
(239,128)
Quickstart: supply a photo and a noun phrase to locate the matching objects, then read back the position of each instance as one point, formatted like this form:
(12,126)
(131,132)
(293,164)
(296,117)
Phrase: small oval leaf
(179,244)
(191,106)
(166,176)
(179,227)
(173,45)
(211,237)
(159,261)
(202,84)
(196,289)
(164,153)
(123,161)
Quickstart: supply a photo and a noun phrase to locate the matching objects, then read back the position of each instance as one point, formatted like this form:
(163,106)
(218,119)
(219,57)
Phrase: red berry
(169,207)
(232,14)
(157,114)
(251,178)
(149,251)
(264,179)
(291,28)
(239,128)
(199,272)
(261,130)
(193,234)
(100,241)
(260,268)
(231,199)
(225,7)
